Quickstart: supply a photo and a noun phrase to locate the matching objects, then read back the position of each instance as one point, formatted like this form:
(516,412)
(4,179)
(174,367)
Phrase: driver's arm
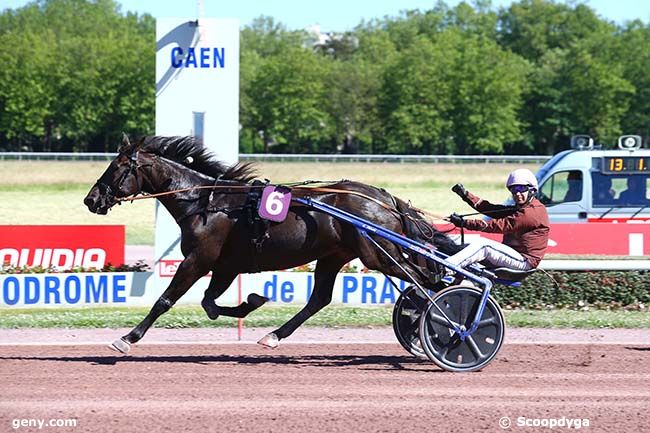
(484,206)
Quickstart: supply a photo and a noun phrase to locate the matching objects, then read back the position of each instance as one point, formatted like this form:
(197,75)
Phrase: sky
(332,15)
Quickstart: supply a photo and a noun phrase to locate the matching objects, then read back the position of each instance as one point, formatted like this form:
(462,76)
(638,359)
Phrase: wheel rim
(407,313)
(443,345)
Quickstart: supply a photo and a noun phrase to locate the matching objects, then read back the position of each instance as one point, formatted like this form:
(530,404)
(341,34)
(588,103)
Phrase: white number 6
(274,204)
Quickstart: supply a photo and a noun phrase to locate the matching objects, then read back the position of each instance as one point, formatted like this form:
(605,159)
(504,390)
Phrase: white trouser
(492,252)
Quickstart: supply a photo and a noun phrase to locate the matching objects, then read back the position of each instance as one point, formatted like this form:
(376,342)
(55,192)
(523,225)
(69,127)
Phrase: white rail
(595,265)
(458,159)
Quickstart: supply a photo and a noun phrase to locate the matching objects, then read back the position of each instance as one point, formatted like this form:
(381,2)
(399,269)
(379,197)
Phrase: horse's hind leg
(324,277)
(219,284)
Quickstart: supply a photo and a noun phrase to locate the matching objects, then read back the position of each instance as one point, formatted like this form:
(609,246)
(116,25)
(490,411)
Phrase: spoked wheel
(406,320)
(443,345)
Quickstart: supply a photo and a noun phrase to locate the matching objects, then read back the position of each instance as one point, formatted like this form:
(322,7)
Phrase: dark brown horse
(216,228)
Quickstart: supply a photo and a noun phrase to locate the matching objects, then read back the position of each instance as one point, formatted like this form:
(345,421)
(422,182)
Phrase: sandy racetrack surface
(321,386)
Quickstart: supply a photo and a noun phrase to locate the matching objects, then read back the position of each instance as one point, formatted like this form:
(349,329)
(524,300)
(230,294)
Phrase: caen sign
(203,57)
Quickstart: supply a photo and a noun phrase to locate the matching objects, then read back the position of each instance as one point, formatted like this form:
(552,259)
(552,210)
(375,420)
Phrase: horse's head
(122,178)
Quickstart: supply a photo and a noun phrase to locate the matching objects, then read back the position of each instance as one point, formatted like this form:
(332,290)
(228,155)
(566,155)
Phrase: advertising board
(61,247)
(197,94)
(139,289)
(71,289)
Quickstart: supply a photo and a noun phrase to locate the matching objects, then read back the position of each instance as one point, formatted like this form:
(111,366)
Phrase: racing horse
(211,202)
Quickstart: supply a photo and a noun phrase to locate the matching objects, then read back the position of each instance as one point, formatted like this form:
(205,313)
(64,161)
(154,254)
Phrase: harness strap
(234,189)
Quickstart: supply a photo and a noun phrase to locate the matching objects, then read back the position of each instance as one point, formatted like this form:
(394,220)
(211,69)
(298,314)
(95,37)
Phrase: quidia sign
(61,247)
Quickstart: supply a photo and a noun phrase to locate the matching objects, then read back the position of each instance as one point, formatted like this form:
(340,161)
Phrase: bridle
(133,168)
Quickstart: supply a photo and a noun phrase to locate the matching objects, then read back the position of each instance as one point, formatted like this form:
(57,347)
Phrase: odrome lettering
(60,258)
(192,57)
(65,289)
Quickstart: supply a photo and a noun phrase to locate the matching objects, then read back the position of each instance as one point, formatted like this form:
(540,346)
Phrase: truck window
(620,191)
(562,187)
(635,192)
(603,192)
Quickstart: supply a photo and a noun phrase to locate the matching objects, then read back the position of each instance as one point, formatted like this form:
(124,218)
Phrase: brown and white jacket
(525,229)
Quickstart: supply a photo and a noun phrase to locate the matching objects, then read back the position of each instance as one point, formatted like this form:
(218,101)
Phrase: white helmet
(522,176)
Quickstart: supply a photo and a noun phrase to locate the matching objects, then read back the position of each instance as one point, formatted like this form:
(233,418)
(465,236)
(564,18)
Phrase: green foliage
(139,266)
(579,290)
(78,74)
(633,55)
(185,316)
(467,79)
(285,89)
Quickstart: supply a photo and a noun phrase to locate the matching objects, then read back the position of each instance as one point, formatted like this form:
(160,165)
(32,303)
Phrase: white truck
(598,199)
(591,184)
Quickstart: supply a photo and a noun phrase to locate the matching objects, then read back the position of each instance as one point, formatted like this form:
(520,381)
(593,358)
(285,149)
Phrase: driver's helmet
(522,176)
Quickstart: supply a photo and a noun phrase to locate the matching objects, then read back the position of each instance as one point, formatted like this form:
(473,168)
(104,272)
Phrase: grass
(52,192)
(334,316)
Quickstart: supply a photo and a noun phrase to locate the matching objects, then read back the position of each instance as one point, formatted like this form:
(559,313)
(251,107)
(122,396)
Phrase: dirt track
(320,387)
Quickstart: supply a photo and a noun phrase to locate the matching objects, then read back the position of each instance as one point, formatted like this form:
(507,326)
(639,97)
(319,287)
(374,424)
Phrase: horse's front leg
(219,284)
(189,271)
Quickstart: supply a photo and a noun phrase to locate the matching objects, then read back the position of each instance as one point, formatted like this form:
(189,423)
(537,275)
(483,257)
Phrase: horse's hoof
(270,340)
(211,310)
(212,314)
(256,301)
(121,346)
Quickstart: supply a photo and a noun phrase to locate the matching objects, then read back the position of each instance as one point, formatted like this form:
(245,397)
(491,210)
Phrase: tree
(289,93)
(594,85)
(531,28)
(633,54)
(488,86)
(416,98)
(353,88)
(575,85)
(85,74)
(283,82)
(459,93)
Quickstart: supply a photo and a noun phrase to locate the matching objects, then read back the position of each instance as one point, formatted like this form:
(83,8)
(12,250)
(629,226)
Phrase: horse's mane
(190,152)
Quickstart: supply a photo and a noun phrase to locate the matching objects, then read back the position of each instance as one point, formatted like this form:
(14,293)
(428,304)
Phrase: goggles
(518,188)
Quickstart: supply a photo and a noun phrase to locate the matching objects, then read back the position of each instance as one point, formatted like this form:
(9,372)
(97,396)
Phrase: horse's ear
(125,144)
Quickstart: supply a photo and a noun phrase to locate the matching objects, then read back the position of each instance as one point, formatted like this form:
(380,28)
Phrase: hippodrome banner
(197,93)
(61,247)
(139,289)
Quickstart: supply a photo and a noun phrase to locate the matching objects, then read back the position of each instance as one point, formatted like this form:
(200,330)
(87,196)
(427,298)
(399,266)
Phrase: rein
(246,188)
(176,191)
(295,186)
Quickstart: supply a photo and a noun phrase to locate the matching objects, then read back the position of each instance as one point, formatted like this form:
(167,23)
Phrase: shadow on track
(371,362)
(640,349)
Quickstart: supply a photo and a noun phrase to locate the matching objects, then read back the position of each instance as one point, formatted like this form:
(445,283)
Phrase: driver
(525,226)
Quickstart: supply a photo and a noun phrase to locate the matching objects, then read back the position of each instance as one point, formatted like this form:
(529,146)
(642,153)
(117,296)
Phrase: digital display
(626,164)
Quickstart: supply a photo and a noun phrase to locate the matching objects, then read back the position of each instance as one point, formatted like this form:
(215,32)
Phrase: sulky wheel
(443,345)
(406,320)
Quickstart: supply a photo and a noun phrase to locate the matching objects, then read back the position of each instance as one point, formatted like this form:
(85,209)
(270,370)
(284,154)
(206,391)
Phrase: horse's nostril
(88,201)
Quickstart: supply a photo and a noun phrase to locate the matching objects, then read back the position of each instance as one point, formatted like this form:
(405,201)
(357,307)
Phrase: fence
(258,157)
